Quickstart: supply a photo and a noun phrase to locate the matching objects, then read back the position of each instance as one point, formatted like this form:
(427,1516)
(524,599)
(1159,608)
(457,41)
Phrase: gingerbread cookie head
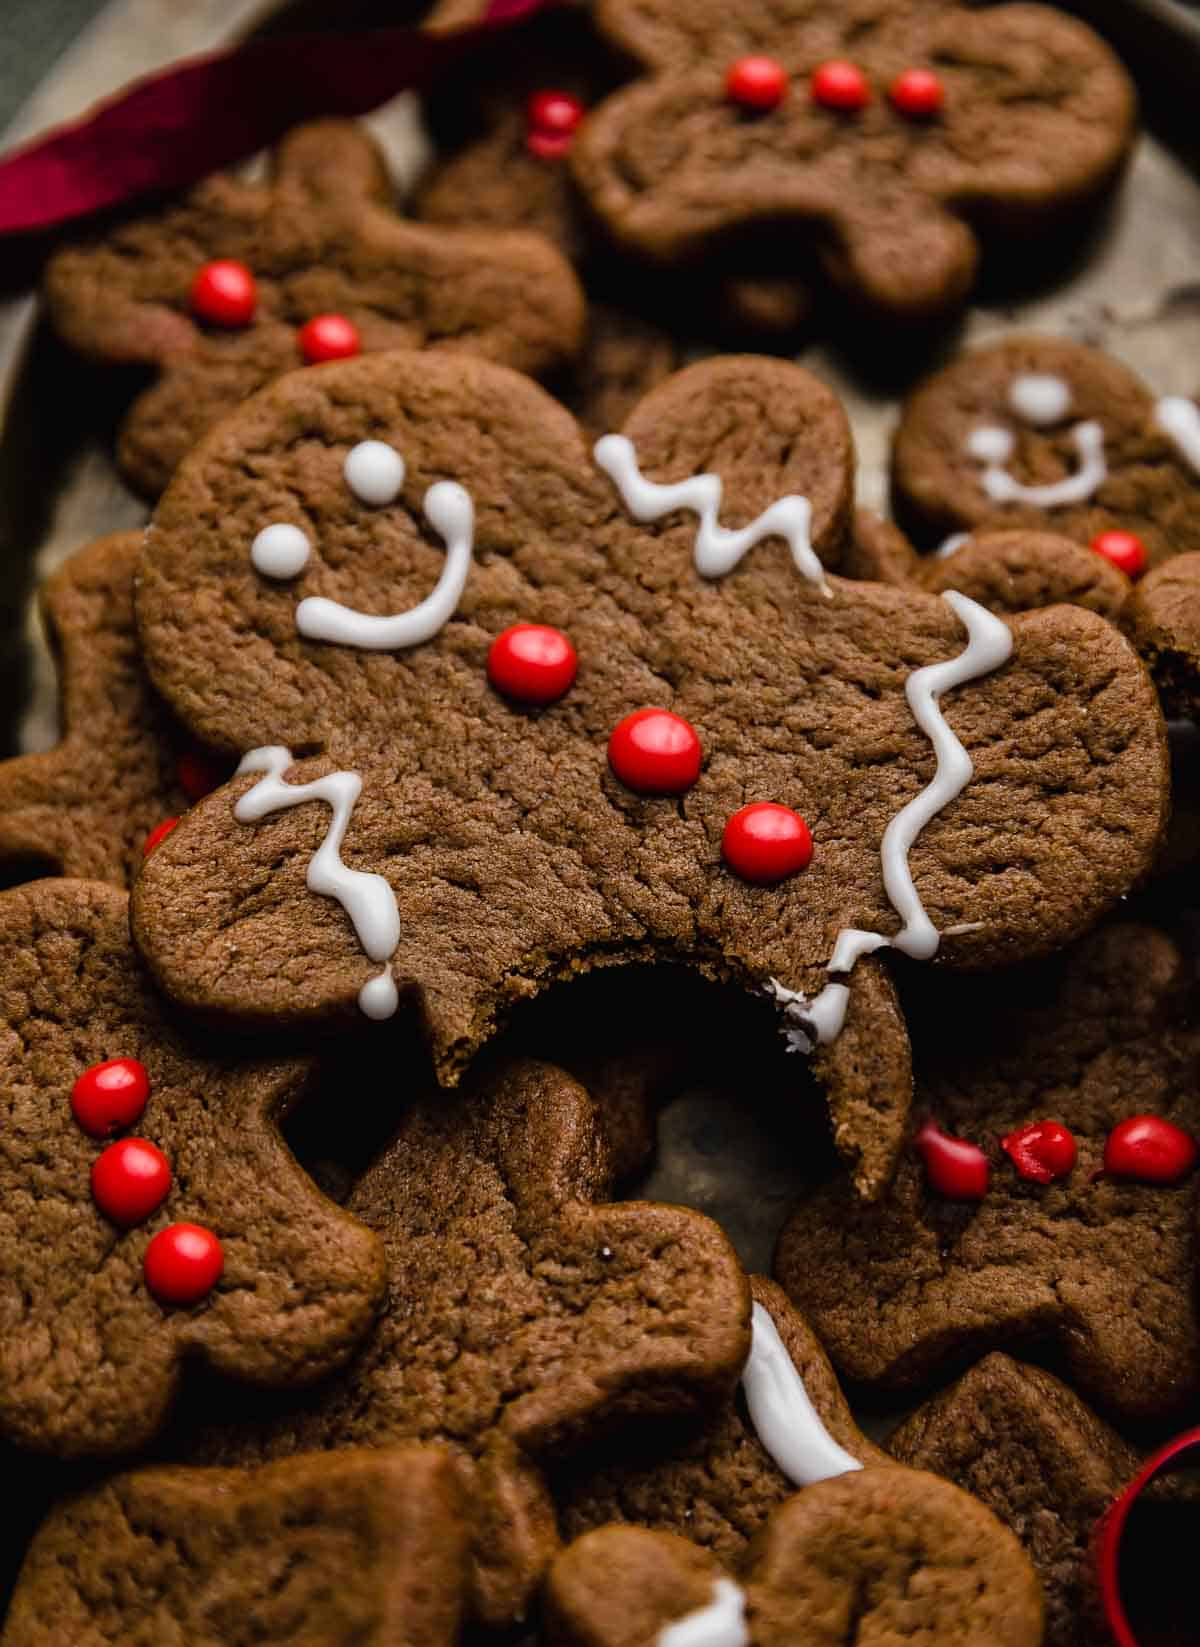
(834,1563)
(1060,1112)
(526,1314)
(875,129)
(1042,434)
(241,283)
(363,1546)
(199,1237)
(368,596)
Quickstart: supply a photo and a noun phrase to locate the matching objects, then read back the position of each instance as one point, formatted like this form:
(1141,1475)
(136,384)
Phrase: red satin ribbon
(1111,1530)
(174,127)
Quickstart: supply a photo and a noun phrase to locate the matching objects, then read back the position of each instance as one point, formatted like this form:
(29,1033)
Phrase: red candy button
(224,293)
(158,835)
(130,1180)
(765,842)
(183,1264)
(1182,1452)
(551,119)
(840,85)
(532,663)
(655,752)
(328,337)
(1125,550)
(955,1169)
(1149,1149)
(198,776)
(110,1096)
(1043,1151)
(756,83)
(917,93)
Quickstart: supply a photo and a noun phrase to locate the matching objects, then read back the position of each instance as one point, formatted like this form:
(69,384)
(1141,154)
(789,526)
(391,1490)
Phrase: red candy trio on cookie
(1042,1151)
(765,842)
(110,1096)
(655,752)
(1149,1149)
(840,85)
(956,1169)
(551,120)
(1124,550)
(532,663)
(130,1180)
(328,337)
(225,294)
(183,1264)
(757,83)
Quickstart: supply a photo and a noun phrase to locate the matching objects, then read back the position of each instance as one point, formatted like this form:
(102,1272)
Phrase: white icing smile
(1039,400)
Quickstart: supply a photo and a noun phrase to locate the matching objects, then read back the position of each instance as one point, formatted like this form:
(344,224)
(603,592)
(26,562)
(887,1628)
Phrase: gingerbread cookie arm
(90,1356)
(369,1546)
(85,807)
(1022,571)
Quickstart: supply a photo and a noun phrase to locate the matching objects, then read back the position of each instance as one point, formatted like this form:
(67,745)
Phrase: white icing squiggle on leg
(718,549)
(989,644)
(721,1624)
(450,511)
(1179,418)
(784,1418)
(367,899)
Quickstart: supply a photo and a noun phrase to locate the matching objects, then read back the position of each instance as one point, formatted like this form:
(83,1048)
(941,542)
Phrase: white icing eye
(990,445)
(280,551)
(374,472)
(1039,398)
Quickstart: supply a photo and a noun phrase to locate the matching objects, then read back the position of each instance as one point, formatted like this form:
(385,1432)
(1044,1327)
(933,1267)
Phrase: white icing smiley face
(1039,400)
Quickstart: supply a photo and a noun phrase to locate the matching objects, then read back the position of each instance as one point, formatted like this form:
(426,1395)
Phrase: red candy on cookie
(183,1264)
(765,843)
(1124,550)
(655,752)
(1041,1151)
(532,663)
(956,1169)
(1150,1150)
(328,337)
(917,93)
(225,294)
(158,834)
(757,83)
(551,119)
(130,1180)
(840,85)
(110,1096)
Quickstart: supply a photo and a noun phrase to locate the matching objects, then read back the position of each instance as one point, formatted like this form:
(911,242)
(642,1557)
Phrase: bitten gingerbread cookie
(1026,1446)
(125,1254)
(567,716)
(86,807)
(1047,1199)
(525,1315)
(873,134)
(1047,435)
(368,1547)
(241,283)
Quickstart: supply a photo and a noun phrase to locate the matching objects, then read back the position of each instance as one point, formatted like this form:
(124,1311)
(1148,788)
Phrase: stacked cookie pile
(429,687)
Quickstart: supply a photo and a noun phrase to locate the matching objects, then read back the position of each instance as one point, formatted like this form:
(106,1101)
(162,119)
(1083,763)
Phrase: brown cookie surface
(488,819)
(1099,1268)
(367,1547)
(874,1556)
(1026,1446)
(1048,435)
(89,1358)
(525,1315)
(1163,620)
(85,807)
(320,238)
(1036,115)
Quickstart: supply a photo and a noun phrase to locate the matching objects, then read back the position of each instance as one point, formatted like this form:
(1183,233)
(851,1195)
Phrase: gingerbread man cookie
(358,1546)
(1048,1199)
(872,131)
(198,1238)
(1042,434)
(241,283)
(525,1315)
(86,807)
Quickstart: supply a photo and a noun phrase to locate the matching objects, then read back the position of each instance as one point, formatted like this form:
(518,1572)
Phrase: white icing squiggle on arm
(718,549)
(989,644)
(367,899)
(721,1624)
(786,1422)
(1179,418)
(450,511)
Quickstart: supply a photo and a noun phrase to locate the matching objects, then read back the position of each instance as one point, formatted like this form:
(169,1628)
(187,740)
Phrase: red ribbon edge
(173,127)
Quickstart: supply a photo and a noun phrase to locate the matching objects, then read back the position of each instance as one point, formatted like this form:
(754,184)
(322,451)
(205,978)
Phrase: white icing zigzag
(367,899)
(718,549)
(784,1418)
(721,1624)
